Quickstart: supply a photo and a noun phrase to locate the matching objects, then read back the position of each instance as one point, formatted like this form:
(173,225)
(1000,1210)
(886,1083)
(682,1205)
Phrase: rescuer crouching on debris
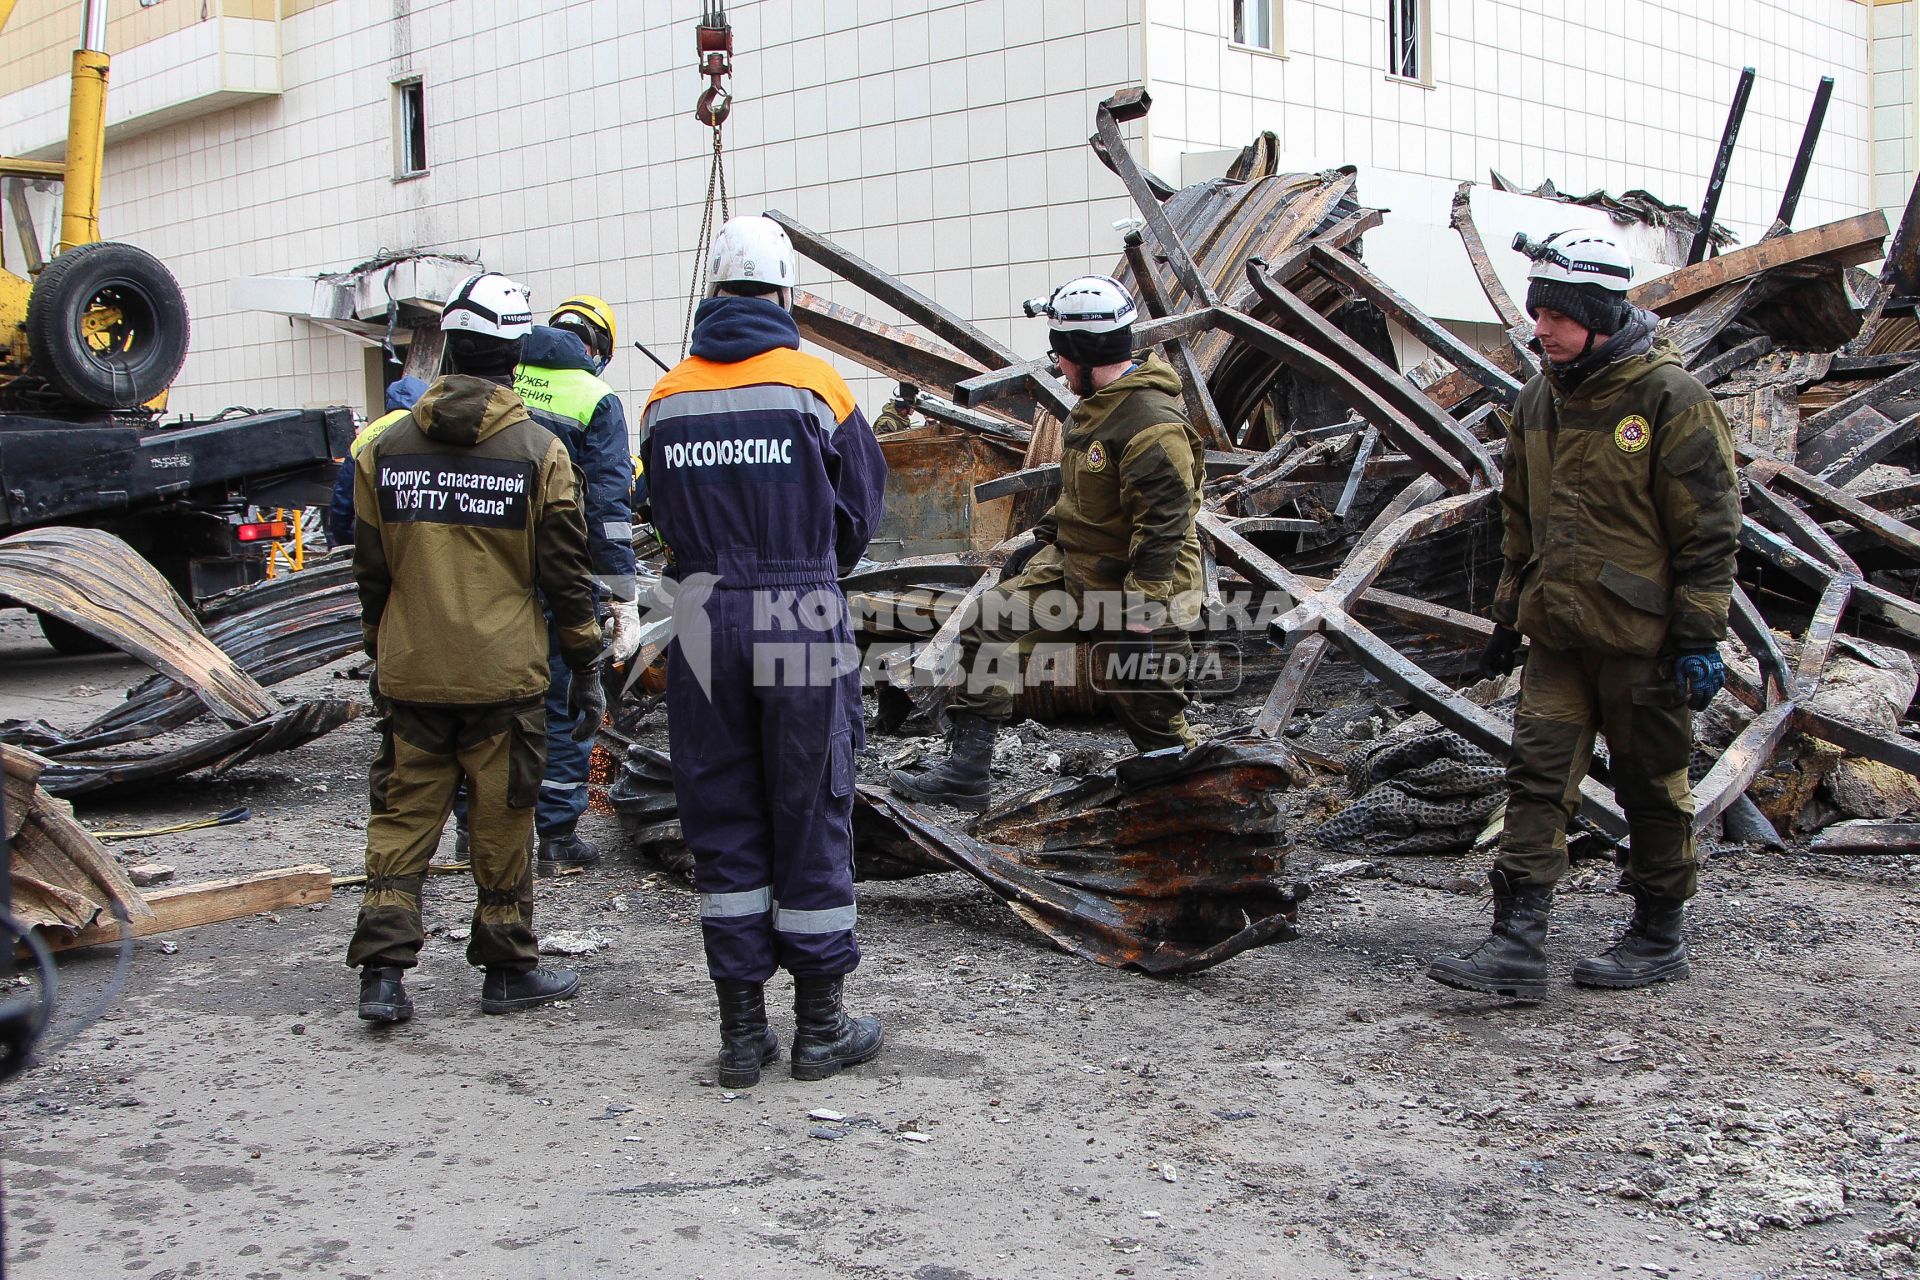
(1120,544)
(766,483)
(463,510)
(1621,521)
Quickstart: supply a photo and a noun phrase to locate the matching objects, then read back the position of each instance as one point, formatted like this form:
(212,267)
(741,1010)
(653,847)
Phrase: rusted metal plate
(931,475)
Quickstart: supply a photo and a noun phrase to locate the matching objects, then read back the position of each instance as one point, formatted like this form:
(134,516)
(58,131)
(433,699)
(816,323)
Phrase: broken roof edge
(412,285)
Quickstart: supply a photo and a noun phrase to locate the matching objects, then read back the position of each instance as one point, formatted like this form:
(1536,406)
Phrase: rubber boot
(1651,950)
(462,836)
(962,779)
(566,851)
(1512,962)
(825,1037)
(383,997)
(504,992)
(747,1043)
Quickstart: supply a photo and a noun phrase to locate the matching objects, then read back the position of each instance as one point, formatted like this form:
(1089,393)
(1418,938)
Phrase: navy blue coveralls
(557,380)
(766,482)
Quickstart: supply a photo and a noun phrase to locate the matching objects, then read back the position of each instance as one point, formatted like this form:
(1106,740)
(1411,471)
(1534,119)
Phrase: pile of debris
(97,583)
(1376,522)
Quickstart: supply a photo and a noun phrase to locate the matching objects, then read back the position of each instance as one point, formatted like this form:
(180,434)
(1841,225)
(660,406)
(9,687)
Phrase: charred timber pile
(1365,498)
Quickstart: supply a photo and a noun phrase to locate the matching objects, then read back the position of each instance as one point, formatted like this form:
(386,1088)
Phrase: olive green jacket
(461,510)
(1131,467)
(1621,512)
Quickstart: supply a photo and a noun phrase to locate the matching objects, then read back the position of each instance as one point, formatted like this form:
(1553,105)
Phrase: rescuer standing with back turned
(766,483)
(559,379)
(462,511)
(1621,521)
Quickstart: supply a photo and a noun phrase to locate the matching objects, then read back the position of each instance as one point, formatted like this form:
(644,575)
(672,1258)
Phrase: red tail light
(268,531)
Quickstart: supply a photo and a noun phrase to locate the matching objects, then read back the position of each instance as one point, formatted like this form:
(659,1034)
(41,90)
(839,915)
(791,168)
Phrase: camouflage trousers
(425,751)
(1566,696)
(1145,680)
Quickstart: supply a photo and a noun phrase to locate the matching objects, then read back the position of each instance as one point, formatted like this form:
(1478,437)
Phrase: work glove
(587,702)
(1699,676)
(1496,660)
(1017,559)
(623,630)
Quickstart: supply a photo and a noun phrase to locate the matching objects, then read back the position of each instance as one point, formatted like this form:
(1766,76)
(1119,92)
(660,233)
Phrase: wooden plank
(190,905)
(1817,450)
(1497,295)
(1712,371)
(1904,383)
(1897,534)
(1852,463)
(1350,274)
(1846,243)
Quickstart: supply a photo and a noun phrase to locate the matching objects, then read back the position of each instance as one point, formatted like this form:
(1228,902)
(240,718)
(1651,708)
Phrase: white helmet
(491,305)
(751,250)
(1089,319)
(1577,257)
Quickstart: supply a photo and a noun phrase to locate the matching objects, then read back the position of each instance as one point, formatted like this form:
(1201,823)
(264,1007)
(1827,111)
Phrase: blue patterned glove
(1700,675)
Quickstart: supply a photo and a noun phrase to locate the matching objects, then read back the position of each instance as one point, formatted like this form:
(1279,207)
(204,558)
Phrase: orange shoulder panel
(781,365)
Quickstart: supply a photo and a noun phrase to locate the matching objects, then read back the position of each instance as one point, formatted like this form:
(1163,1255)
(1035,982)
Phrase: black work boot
(462,836)
(1651,950)
(962,780)
(565,851)
(747,1043)
(825,1037)
(505,992)
(383,998)
(1512,961)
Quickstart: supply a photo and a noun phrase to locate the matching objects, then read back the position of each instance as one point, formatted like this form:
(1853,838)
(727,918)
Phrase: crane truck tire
(107,326)
(69,639)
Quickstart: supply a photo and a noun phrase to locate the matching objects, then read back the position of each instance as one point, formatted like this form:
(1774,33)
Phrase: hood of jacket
(1149,374)
(1610,379)
(729,329)
(552,348)
(464,410)
(404,393)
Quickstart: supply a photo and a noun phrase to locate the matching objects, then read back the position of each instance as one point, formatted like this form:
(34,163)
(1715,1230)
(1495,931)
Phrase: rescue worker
(559,379)
(402,395)
(466,509)
(1621,518)
(766,483)
(1120,542)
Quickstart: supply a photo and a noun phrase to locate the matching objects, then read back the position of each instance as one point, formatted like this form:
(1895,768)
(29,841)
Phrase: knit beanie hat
(1599,310)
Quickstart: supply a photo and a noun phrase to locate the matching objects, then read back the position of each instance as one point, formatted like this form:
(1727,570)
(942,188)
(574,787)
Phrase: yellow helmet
(597,314)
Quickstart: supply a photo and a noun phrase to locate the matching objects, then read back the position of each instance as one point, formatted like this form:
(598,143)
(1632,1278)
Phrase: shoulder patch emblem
(1097,456)
(1632,434)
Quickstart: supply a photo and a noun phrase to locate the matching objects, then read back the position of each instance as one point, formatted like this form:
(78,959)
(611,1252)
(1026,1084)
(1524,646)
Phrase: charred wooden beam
(1201,409)
(1349,274)
(1133,104)
(1497,295)
(1803,158)
(921,309)
(1846,243)
(1710,204)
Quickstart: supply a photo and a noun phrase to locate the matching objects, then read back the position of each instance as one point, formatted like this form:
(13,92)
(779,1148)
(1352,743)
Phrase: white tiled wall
(942,140)
(1894,155)
(1617,94)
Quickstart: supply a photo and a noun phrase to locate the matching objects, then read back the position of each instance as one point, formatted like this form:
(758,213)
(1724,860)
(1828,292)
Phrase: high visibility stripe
(371,432)
(780,365)
(769,398)
(832,920)
(560,786)
(731,906)
(566,393)
(618,530)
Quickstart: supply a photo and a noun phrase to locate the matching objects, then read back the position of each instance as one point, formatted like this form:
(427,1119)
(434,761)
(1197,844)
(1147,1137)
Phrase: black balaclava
(483,355)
